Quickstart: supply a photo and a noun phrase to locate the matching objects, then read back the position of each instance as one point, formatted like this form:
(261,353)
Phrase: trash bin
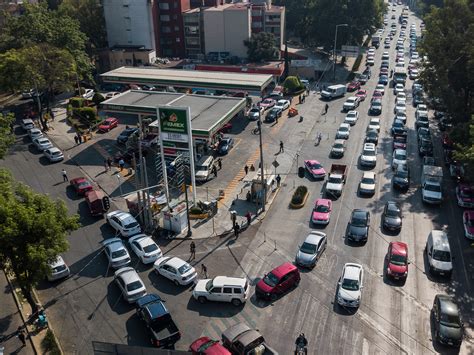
(301,172)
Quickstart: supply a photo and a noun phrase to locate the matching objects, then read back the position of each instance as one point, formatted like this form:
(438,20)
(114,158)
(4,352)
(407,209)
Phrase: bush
(299,195)
(195,210)
(77,102)
(293,86)
(98,98)
(87,115)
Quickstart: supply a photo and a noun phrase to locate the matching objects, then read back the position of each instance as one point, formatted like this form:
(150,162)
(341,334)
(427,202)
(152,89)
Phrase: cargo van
(204,168)
(333,91)
(438,253)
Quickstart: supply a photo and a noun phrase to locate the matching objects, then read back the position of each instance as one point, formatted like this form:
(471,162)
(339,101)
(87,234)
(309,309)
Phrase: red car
(377,94)
(108,124)
(207,346)
(353,86)
(361,94)
(447,141)
(278,281)
(81,185)
(465,196)
(468,221)
(400,142)
(384,71)
(397,260)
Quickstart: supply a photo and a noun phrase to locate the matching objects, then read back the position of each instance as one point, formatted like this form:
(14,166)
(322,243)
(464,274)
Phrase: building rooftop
(188,78)
(207,112)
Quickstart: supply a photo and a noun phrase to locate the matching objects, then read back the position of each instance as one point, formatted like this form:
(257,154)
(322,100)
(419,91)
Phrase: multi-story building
(170,30)
(269,18)
(193,34)
(205,3)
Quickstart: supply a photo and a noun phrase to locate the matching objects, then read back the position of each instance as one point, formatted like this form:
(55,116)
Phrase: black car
(448,327)
(425,147)
(358,226)
(273,115)
(372,136)
(363,78)
(125,135)
(383,79)
(398,128)
(423,132)
(422,121)
(392,217)
(375,107)
(418,99)
(445,123)
(401,178)
(225,145)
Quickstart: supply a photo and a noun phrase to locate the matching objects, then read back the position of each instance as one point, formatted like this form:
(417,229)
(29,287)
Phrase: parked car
(42,143)
(145,248)
(222,289)
(273,114)
(123,222)
(375,107)
(282,104)
(351,103)
(175,269)
(322,211)
(367,183)
(392,217)
(207,346)
(278,281)
(315,169)
(53,154)
(34,133)
(361,94)
(130,284)
(267,103)
(108,124)
(465,195)
(116,252)
(401,177)
(399,156)
(126,134)
(371,136)
(81,185)
(240,339)
(58,269)
(350,285)
(343,131)
(338,148)
(368,156)
(447,324)
(358,226)
(225,145)
(397,261)
(468,222)
(256,112)
(351,117)
(353,86)
(311,250)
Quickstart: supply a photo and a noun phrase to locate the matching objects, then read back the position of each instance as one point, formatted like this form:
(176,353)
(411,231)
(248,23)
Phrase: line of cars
(42,143)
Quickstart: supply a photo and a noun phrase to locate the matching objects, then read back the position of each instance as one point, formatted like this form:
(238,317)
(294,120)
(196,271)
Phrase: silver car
(116,252)
(59,269)
(53,154)
(130,284)
(311,250)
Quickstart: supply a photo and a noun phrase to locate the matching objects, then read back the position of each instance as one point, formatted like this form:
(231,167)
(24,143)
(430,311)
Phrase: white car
(222,289)
(399,157)
(255,113)
(402,116)
(399,88)
(381,88)
(59,269)
(374,124)
(111,94)
(282,104)
(42,143)
(35,133)
(400,107)
(369,155)
(175,269)
(401,95)
(116,252)
(123,223)
(352,117)
(130,284)
(371,52)
(350,285)
(400,101)
(422,107)
(367,183)
(88,94)
(400,65)
(351,103)
(343,131)
(27,124)
(415,55)
(370,61)
(53,154)
(386,45)
(145,248)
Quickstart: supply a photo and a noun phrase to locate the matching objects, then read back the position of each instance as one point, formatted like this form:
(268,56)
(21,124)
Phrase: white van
(438,253)
(204,168)
(222,289)
(333,91)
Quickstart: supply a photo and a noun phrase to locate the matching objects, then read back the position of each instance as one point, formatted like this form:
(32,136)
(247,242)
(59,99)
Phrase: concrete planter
(305,194)
(198,216)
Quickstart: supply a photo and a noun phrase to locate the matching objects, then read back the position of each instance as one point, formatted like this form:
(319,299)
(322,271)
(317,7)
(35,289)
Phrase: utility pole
(190,232)
(262,172)
(334,49)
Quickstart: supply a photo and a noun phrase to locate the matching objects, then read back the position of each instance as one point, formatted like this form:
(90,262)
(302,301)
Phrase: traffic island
(299,197)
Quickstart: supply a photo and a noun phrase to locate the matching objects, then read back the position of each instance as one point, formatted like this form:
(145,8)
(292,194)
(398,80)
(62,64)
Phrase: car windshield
(368,181)
(119,253)
(400,156)
(83,184)
(434,188)
(467,193)
(150,248)
(343,129)
(351,285)
(308,248)
(184,268)
(131,225)
(334,180)
(254,110)
(450,320)
(441,255)
(351,115)
(322,208)
(338,146)
(369,152)
(270,279)
(59,268)
(201,168)
(398,259)
(358,222)
(392,213)
(135,285)
(314,165)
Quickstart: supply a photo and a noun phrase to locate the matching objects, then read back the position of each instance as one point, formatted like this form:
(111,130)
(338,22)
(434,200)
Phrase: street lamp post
(334,48)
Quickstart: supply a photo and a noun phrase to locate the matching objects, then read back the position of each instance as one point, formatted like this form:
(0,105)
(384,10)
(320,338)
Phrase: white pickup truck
(336,180)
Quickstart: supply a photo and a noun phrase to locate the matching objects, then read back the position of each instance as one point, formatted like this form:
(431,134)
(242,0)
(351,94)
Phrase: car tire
(236,302)
(176,282)
(202,299)
(273,297)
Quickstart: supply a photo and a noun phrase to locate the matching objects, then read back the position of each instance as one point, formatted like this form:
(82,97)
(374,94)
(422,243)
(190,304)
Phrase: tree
(293,86)
(6,136)
(261,47)
(34,230)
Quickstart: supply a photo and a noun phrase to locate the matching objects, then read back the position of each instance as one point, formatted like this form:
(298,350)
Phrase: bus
(400,75)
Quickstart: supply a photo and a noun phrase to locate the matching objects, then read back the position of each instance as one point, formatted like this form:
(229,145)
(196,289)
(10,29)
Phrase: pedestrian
(248,215)
(76,139)
(80,138)
(21,335)
(246,168)
(64,174)
(106,166)
(252,168)
(192,250)
(51,113)
(318,138)
(326,108)
(278,179)
(304,97)
(282,149)
(299,98)
(204,270)
(121,164)
(236,230)
(109,163)
(219,163)
(273,183)
(214,171)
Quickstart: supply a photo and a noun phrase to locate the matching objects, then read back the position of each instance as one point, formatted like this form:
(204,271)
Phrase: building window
(192,41)
(178,40)
(192,30)
(273,18)
(164,6)
(176,28)
(175,17)
(165,29)
(175,5)
(165,18)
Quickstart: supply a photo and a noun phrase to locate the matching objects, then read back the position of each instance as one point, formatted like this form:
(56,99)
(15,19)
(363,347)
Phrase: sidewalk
(10,320)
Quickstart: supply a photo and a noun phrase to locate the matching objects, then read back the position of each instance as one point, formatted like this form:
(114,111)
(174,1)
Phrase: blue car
(225,145)
(383,79)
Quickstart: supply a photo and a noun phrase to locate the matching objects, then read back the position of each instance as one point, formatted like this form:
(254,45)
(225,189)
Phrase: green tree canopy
(261,47)
(34,230)
(6,137)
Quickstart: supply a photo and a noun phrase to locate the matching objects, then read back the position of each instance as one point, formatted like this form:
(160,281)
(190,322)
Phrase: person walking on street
(326,108)
(64,174)
(204,270)
(80,138)
(248,215)
(318,138)
(121,164)
(76,139)
(278,179)
(246,168)
(109,163)
(106,166)
(214,171)
(299,98)
(21,336)
(236,230)
(282,149)
(192,250)
(219,163)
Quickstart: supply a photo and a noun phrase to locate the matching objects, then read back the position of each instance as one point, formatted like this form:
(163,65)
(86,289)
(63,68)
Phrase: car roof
(220,281)
(323,201)
(312,161)
(368,175)
(54,149)
(470,214)
(440,240)
(283,269)
(340,141)
(393,206)
(399,248)
(57,262)
(314,237)
(448,306)
(345,125)
(142,239)
(127,274)
(352,271)
(175,262)
(400,151)
(369,146)
(359,213)
(113,244)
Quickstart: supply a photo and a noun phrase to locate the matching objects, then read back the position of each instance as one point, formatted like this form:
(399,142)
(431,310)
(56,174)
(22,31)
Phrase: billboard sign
(349,51)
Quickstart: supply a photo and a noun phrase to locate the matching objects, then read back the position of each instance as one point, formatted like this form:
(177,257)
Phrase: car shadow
(214,309)
(137,334)
(167,287)
(116,301)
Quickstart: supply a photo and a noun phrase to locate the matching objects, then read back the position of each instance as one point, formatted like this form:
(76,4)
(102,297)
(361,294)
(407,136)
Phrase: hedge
(77,102)
(293,86)
(299,195)
(87,115)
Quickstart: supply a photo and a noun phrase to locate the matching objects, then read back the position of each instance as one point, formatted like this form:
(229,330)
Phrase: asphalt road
(393,318)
